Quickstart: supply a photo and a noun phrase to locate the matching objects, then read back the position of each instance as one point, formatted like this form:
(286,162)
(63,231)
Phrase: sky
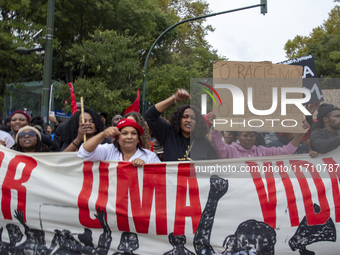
(248,35)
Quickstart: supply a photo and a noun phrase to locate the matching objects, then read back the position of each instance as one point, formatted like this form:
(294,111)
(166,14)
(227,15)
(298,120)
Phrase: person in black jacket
(185,137)
(325,136)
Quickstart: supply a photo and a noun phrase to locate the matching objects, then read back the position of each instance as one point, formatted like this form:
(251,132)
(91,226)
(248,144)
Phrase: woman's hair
(117,145)
(40,147)
(145,138)
(201,127)
(70,131)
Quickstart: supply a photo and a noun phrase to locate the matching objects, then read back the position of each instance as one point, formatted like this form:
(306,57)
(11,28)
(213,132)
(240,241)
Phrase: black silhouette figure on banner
(105,238)
(86,238)
(251,237)
(15,236)
(306,235)
(178,243)
(128,243)
(35,239)
(69,245)
(218,187)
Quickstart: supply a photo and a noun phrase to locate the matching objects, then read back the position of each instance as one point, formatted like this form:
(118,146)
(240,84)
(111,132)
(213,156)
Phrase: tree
(101,45)
(323,43)
(15,31)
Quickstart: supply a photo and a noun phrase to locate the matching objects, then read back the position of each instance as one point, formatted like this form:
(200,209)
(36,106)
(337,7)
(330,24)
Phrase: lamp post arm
(263,5)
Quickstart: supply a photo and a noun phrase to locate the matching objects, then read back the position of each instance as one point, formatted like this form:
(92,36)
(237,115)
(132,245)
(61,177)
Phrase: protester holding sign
(245,146)
(185,137)
(126,146)
(325,136)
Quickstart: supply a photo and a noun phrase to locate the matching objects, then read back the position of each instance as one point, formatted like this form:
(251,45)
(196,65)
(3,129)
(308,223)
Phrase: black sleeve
(158,126)
(309,119)
(322,143)
(58,133)
(48,141)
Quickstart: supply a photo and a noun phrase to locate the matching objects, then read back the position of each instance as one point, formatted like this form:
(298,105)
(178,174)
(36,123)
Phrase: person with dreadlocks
(74,130)
(325,135)
(185,137)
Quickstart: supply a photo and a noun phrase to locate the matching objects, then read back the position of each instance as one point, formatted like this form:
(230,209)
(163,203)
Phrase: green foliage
(101,45)
(16,29)
(165,79)
(323,43)
(101,98)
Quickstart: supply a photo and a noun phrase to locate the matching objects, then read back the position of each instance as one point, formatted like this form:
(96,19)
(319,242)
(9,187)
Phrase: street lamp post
(263,6)
(47,75)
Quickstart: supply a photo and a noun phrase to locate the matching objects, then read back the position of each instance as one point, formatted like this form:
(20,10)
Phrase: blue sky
(250,36)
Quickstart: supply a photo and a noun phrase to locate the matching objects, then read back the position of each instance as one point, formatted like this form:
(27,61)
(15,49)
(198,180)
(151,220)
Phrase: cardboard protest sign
(331,96)
(310,76)
(259,96)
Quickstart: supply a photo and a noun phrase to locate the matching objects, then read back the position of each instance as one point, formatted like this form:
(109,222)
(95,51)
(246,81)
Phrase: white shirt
(7,138)
(108,151)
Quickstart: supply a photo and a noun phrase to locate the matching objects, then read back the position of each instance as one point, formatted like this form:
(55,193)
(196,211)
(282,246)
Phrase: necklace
(187,152)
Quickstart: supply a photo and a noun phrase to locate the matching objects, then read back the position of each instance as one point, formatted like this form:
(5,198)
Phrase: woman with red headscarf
(126,146)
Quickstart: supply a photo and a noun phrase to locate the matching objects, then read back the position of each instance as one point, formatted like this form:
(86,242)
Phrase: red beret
(128,122)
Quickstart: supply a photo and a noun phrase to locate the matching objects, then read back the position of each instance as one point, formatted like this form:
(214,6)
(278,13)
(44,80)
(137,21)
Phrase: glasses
(192,117)
(30,133)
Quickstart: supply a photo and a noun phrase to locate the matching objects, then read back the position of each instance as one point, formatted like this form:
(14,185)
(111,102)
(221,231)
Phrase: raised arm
(298,137)
(181,95)
(74,145)
(92,143)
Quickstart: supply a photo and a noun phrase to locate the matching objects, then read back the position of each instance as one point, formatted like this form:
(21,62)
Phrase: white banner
(55,203)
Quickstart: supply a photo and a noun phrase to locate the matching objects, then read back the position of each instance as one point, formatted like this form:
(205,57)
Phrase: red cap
(127,122)
(21,112)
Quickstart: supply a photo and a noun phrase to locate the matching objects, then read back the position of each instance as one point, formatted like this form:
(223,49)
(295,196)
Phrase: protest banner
(56,203)
(310,76)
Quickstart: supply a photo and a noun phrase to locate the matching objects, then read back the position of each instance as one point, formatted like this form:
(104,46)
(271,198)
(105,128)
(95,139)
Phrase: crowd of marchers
(187,135)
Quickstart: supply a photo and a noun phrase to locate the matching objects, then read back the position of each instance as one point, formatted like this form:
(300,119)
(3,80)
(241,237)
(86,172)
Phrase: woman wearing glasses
(28,139)
(185,137)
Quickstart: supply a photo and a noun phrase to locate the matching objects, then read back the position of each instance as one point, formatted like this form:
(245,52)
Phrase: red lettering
(2,155)
(333,171)
(85,193)
(154,181)
(312,217)
(268,201)
(291,199)
(10,183)
(184,181)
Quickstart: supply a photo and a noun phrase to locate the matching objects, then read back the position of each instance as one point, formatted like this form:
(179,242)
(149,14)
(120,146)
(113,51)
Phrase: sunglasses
(30,133)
